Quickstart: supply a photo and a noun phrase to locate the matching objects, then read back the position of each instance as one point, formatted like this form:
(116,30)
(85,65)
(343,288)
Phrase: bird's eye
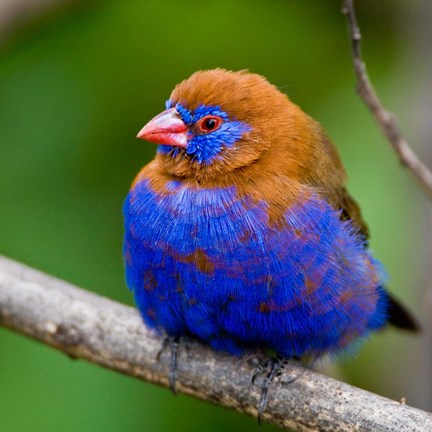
(208,124)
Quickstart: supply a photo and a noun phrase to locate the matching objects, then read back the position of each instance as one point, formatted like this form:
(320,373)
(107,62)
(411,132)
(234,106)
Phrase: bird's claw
(171,342)
(275,367)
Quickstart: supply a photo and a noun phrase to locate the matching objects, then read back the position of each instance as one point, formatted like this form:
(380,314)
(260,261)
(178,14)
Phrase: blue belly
(208,263)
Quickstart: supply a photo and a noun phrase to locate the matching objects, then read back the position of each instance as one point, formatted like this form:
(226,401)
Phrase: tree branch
(87,326)
(385,119)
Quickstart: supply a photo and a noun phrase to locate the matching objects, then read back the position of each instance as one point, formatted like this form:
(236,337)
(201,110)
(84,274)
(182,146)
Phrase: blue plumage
(241,232)
(207,263)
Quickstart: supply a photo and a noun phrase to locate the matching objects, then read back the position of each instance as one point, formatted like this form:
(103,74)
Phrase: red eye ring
(208,123)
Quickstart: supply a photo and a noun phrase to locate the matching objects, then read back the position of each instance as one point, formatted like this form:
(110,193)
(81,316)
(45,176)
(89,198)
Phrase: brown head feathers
(282,139)
(284,152)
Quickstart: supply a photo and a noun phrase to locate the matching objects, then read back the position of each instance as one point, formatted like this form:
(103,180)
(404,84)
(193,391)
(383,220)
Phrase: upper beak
(166,128)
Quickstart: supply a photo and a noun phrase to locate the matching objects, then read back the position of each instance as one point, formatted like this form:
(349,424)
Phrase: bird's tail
(399,317)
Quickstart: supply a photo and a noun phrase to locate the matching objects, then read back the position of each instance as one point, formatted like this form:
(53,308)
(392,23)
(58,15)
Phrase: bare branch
(86,326)
(385,119)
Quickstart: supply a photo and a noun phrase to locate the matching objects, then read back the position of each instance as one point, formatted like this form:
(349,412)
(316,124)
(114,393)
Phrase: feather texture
(247,237)
(213,267)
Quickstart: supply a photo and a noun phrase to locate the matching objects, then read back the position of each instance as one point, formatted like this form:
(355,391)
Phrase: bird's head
(218,121)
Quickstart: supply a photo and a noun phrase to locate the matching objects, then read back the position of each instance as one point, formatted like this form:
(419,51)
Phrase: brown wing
(329,177)
(326,173)
(351,211)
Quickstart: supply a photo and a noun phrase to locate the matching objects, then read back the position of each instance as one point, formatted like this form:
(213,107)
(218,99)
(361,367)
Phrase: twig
(84,325)
(385,119)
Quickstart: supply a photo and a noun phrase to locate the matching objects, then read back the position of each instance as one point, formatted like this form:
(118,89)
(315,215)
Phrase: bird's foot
(273,368)
(172,343)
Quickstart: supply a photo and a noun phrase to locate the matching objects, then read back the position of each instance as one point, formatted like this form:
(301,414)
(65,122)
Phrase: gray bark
(87,326)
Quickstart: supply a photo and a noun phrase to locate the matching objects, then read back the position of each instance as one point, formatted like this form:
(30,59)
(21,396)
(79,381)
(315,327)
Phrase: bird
(241,233)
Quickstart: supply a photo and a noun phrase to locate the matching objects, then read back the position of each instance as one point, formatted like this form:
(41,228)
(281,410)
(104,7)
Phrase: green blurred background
(78,83)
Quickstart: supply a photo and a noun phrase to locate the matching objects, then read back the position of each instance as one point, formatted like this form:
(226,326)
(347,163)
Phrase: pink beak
(166,128)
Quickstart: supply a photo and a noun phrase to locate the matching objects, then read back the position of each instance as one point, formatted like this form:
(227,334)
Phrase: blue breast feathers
(208,263)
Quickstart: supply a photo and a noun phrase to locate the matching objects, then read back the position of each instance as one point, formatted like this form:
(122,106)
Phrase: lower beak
(166,128)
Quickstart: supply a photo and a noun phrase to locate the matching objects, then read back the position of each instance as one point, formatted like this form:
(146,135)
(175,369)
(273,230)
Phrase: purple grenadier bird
(241,233)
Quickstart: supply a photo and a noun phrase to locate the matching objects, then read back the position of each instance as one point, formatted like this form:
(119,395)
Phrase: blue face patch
(206,147)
